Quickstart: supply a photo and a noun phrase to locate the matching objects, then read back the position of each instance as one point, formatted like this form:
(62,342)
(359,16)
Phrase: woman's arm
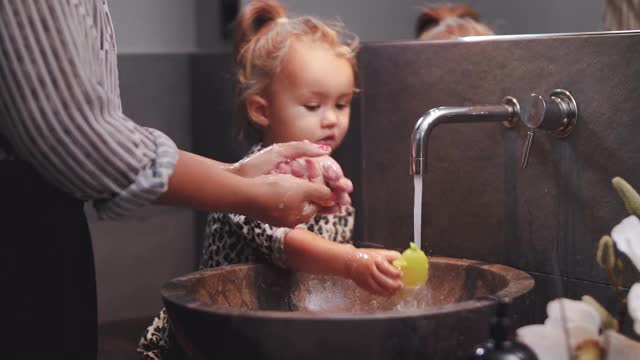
(282,200)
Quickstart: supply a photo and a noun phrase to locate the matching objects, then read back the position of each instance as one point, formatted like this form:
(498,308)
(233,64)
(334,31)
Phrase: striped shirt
(60,106)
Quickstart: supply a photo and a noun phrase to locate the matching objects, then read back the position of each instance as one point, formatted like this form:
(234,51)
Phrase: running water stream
(417,211)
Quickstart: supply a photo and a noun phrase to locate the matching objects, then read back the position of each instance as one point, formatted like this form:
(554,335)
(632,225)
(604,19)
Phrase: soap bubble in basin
(332,294)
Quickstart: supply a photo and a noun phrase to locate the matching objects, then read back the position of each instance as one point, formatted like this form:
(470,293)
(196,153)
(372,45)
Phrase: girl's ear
(257,107)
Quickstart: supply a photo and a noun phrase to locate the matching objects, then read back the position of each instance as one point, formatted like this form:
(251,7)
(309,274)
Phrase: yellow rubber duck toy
(414,265)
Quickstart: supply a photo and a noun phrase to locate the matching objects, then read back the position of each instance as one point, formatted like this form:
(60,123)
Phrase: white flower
(548,341)
(633,306)
(582,321)
(575,312)
(627,238)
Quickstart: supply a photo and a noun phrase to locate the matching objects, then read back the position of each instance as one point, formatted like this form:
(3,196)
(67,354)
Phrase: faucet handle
(539,113)
(527,146)
(558,115)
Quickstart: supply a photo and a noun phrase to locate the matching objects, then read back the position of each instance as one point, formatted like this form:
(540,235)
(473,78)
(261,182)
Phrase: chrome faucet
(508,113)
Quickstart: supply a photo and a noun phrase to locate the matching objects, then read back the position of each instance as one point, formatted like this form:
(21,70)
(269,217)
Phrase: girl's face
(309,98)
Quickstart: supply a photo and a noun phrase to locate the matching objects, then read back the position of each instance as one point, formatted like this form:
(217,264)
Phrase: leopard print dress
(236,239)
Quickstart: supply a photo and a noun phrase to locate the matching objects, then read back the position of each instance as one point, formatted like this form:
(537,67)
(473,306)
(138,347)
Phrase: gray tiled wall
(478,202)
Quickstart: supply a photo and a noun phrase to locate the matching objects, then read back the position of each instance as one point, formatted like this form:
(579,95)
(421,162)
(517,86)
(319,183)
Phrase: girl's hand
(267,160)
(336,181)
(371,269)
(284,200)
(321,170)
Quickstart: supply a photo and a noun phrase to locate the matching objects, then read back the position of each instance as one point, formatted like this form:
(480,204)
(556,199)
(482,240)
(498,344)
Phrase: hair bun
(255,17)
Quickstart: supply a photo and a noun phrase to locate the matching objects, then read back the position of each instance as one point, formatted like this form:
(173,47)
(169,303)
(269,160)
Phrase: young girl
(297,78)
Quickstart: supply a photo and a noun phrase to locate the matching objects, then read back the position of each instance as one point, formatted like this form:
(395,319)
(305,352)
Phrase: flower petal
(575,312)
(633,306)
(627,238)
(620,347)
(546,341)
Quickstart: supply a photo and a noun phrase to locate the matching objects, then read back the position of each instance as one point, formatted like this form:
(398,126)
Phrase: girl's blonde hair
(448,22)
(263,36)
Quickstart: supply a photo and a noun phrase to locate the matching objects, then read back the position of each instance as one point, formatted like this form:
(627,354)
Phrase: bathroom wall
(154,26)
(478,202)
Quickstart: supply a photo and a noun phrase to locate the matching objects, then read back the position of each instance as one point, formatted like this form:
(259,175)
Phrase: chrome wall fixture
(558,115)
(508,113)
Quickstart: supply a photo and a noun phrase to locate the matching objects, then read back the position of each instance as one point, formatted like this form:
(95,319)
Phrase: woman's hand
(268,159)
(371,269)
(302,159)
(284,200)
(281,200)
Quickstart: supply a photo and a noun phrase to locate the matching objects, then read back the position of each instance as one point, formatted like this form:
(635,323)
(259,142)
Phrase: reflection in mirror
(441,22)
(622,14)
(472,18)
(518,17)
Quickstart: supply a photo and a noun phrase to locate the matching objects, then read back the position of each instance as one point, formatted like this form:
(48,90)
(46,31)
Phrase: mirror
(202,25)
(525,18)
(392,20)
(519,17)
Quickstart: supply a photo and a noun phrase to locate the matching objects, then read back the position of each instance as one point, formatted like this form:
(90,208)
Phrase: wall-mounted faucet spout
(508,113)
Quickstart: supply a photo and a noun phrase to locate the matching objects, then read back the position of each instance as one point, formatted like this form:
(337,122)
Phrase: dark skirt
(49,306)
